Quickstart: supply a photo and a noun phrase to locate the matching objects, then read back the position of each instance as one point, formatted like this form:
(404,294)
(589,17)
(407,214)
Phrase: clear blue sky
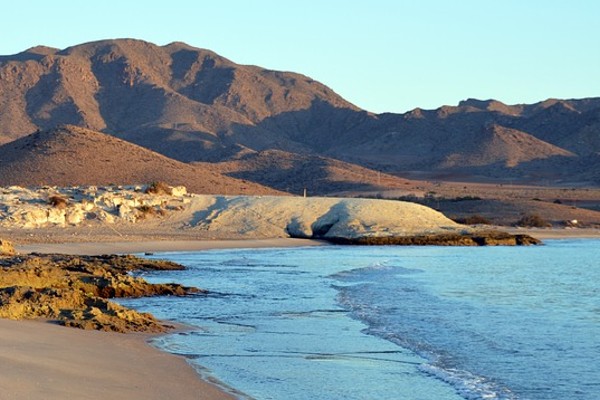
(382,55)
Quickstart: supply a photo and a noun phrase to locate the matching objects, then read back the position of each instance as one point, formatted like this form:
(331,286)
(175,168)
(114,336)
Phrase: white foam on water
(467,385)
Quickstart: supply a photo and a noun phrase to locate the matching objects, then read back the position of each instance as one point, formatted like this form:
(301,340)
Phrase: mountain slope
(484,138)
(75,156)
(148,94)
(319,175)
(498,144)
(192,105)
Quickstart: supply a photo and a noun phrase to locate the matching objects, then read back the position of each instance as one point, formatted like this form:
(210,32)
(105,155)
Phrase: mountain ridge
(194,105)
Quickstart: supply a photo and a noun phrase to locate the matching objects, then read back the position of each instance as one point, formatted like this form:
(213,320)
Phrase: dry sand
(554,233)
(124,247)
(43,361)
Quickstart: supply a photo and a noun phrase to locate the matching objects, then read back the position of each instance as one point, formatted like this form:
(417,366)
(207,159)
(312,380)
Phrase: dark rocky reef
(75,290)
(483,238)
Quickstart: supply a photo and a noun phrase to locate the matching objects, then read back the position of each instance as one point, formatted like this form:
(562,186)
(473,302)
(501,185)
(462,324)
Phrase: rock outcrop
(6,248)
(75,290)
(74,206)
(342,221)
(484,238)
(171,211)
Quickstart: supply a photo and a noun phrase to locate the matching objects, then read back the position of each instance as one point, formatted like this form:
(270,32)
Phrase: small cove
(391,322)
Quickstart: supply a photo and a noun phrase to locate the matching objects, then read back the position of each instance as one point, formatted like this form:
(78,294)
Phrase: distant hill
(555,140)
(75,156)
(193,105)
(291,172)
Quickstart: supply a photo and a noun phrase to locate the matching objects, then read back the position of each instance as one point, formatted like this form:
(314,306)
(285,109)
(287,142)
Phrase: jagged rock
(75,216)
(56,216)
(38,207)
(74,290)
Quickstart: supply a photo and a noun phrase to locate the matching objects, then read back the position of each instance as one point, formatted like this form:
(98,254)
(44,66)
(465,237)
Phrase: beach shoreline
(555,233)
(44,360)
(159,246)
(113,244)
(41,359)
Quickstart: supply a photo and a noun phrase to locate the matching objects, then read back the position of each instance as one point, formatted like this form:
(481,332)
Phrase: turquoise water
(392,322)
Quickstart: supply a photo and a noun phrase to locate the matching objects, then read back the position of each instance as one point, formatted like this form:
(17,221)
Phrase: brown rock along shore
(76,290)
(482,238)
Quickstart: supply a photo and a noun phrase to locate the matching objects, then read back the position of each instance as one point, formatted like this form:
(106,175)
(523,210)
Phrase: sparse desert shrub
(465,198)
(557,201)
(146,211)
(533,221)
(159,188)
(473,220)
(58,202)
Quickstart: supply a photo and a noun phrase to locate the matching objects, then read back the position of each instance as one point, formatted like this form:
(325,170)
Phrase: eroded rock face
(32,208)
(74,290)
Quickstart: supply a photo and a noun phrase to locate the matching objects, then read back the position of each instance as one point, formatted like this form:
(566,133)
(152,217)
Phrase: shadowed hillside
(319,175)
(70,155)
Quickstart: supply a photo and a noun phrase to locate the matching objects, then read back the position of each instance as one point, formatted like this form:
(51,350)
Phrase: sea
(410,323)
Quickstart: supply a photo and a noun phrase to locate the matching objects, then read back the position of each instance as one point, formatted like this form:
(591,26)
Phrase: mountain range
(202,110)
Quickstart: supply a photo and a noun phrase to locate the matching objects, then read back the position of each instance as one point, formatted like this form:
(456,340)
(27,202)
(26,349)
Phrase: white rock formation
(235,216)
(272,216)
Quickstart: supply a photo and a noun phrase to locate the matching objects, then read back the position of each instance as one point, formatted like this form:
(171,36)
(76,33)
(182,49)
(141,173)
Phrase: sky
(381,55)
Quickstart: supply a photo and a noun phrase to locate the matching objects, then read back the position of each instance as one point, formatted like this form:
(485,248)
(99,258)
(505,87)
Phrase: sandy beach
(45,361)
(152,246)
(555,233)
(108,244)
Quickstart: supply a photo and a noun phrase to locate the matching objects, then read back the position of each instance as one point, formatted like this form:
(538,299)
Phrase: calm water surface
(392,322)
